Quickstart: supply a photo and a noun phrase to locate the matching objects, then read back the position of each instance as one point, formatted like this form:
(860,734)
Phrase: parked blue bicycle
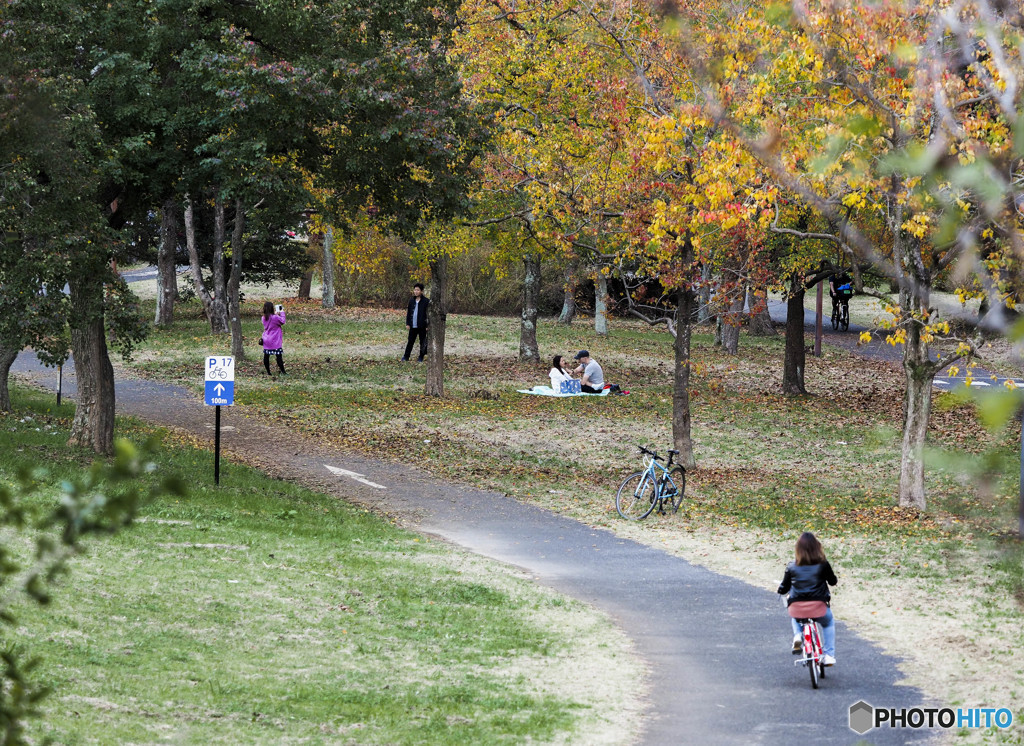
(654,488)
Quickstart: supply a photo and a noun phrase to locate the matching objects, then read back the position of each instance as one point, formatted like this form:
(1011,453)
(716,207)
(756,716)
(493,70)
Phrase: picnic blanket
(548,391)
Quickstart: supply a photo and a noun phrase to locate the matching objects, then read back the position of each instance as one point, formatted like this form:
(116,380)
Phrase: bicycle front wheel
(835,319)
(675,499)
(635,498)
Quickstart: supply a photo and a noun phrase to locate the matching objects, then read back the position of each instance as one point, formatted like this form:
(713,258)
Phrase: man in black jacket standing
(417,321)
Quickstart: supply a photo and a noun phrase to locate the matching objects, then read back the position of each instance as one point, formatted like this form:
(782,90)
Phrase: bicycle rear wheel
(821,651)
(675,499)
(635,498)
(835,317)
(845,321)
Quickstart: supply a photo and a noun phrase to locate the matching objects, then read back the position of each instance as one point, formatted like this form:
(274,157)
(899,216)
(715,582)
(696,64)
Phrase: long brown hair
(268,310)
(809,550)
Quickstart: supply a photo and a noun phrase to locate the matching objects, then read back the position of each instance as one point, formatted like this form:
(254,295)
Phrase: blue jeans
(828,632)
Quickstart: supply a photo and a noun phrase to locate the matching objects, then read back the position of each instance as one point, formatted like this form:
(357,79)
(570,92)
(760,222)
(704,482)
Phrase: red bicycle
(813,655)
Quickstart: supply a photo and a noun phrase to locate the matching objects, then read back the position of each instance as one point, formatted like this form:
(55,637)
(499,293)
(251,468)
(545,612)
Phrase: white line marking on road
(353,475)
(980,383)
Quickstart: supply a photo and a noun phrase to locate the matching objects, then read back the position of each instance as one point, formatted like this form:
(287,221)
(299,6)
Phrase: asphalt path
(717,649)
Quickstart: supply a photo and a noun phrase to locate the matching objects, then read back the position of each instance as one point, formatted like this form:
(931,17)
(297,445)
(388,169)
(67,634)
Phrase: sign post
(220,391)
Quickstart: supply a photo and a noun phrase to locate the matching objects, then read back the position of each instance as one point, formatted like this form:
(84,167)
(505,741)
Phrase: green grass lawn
(262,612)
(768,466)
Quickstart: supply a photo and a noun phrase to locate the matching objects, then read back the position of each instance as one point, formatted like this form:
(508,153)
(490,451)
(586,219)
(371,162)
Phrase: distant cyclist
(807,579)
(840,289)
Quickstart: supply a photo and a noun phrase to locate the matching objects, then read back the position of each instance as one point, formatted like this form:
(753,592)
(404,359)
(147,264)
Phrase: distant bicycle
(813,655)
(841,307)
(653,488)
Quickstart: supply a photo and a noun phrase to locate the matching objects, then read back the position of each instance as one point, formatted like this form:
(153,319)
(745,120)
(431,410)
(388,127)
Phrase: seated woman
(558,373)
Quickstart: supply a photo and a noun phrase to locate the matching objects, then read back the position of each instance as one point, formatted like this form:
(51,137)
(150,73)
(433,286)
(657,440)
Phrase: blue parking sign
(220,393)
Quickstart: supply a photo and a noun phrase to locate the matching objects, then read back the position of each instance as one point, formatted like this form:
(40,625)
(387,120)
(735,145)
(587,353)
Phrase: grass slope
(261,612)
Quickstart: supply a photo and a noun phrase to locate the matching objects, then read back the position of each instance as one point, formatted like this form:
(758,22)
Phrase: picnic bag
(569,387)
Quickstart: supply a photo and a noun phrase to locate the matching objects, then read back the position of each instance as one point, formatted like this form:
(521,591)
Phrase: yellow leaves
(918,225)
(865,337)
(855,200)
(897,337)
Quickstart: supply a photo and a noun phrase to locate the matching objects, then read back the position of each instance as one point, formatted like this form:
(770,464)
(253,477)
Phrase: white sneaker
(798,643)
(828,660)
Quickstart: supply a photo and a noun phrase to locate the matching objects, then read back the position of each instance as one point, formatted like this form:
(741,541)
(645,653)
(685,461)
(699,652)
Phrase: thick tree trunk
(731,323)
(918,368)
(601,304)
(219,306)
(7,357)
(197,270)
(760,320)
(681,439)
(438,316)
(166,266)
(234,281)
(93,424)
(917,403)
(568,299)
(328,268)
(528,351)
(796,353)
(306,285)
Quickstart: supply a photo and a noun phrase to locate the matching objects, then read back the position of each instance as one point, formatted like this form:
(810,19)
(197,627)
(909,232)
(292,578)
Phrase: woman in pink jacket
(273,336)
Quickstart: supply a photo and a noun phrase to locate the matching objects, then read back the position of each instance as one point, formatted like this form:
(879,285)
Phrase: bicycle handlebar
(650,453)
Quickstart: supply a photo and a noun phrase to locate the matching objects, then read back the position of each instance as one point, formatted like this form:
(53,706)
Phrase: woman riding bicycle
(807,579)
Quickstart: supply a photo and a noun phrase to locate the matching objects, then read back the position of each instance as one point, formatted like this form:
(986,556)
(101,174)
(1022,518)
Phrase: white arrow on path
(353,475)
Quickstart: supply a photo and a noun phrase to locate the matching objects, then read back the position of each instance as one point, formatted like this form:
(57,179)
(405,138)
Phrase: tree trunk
(601,304)
(166,266)
(704,297)
(93,424)
(197,270)
(234,280)
(219,306)
(760,319)
(528,351)
(731,323)
(438,316)
(719,331)
(306,285)
(796,353)
(328,268)
(918,368)
(917,404)
(568,299)
(681,439)
(7,357)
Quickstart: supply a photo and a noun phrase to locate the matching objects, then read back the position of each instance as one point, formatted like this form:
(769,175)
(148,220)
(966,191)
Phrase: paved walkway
(717,649)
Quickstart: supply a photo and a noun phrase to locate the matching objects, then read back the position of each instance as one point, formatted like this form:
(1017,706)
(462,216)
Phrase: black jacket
(808,582)
(424,319)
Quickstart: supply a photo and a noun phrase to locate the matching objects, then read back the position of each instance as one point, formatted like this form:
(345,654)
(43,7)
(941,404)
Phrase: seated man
(593,376)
